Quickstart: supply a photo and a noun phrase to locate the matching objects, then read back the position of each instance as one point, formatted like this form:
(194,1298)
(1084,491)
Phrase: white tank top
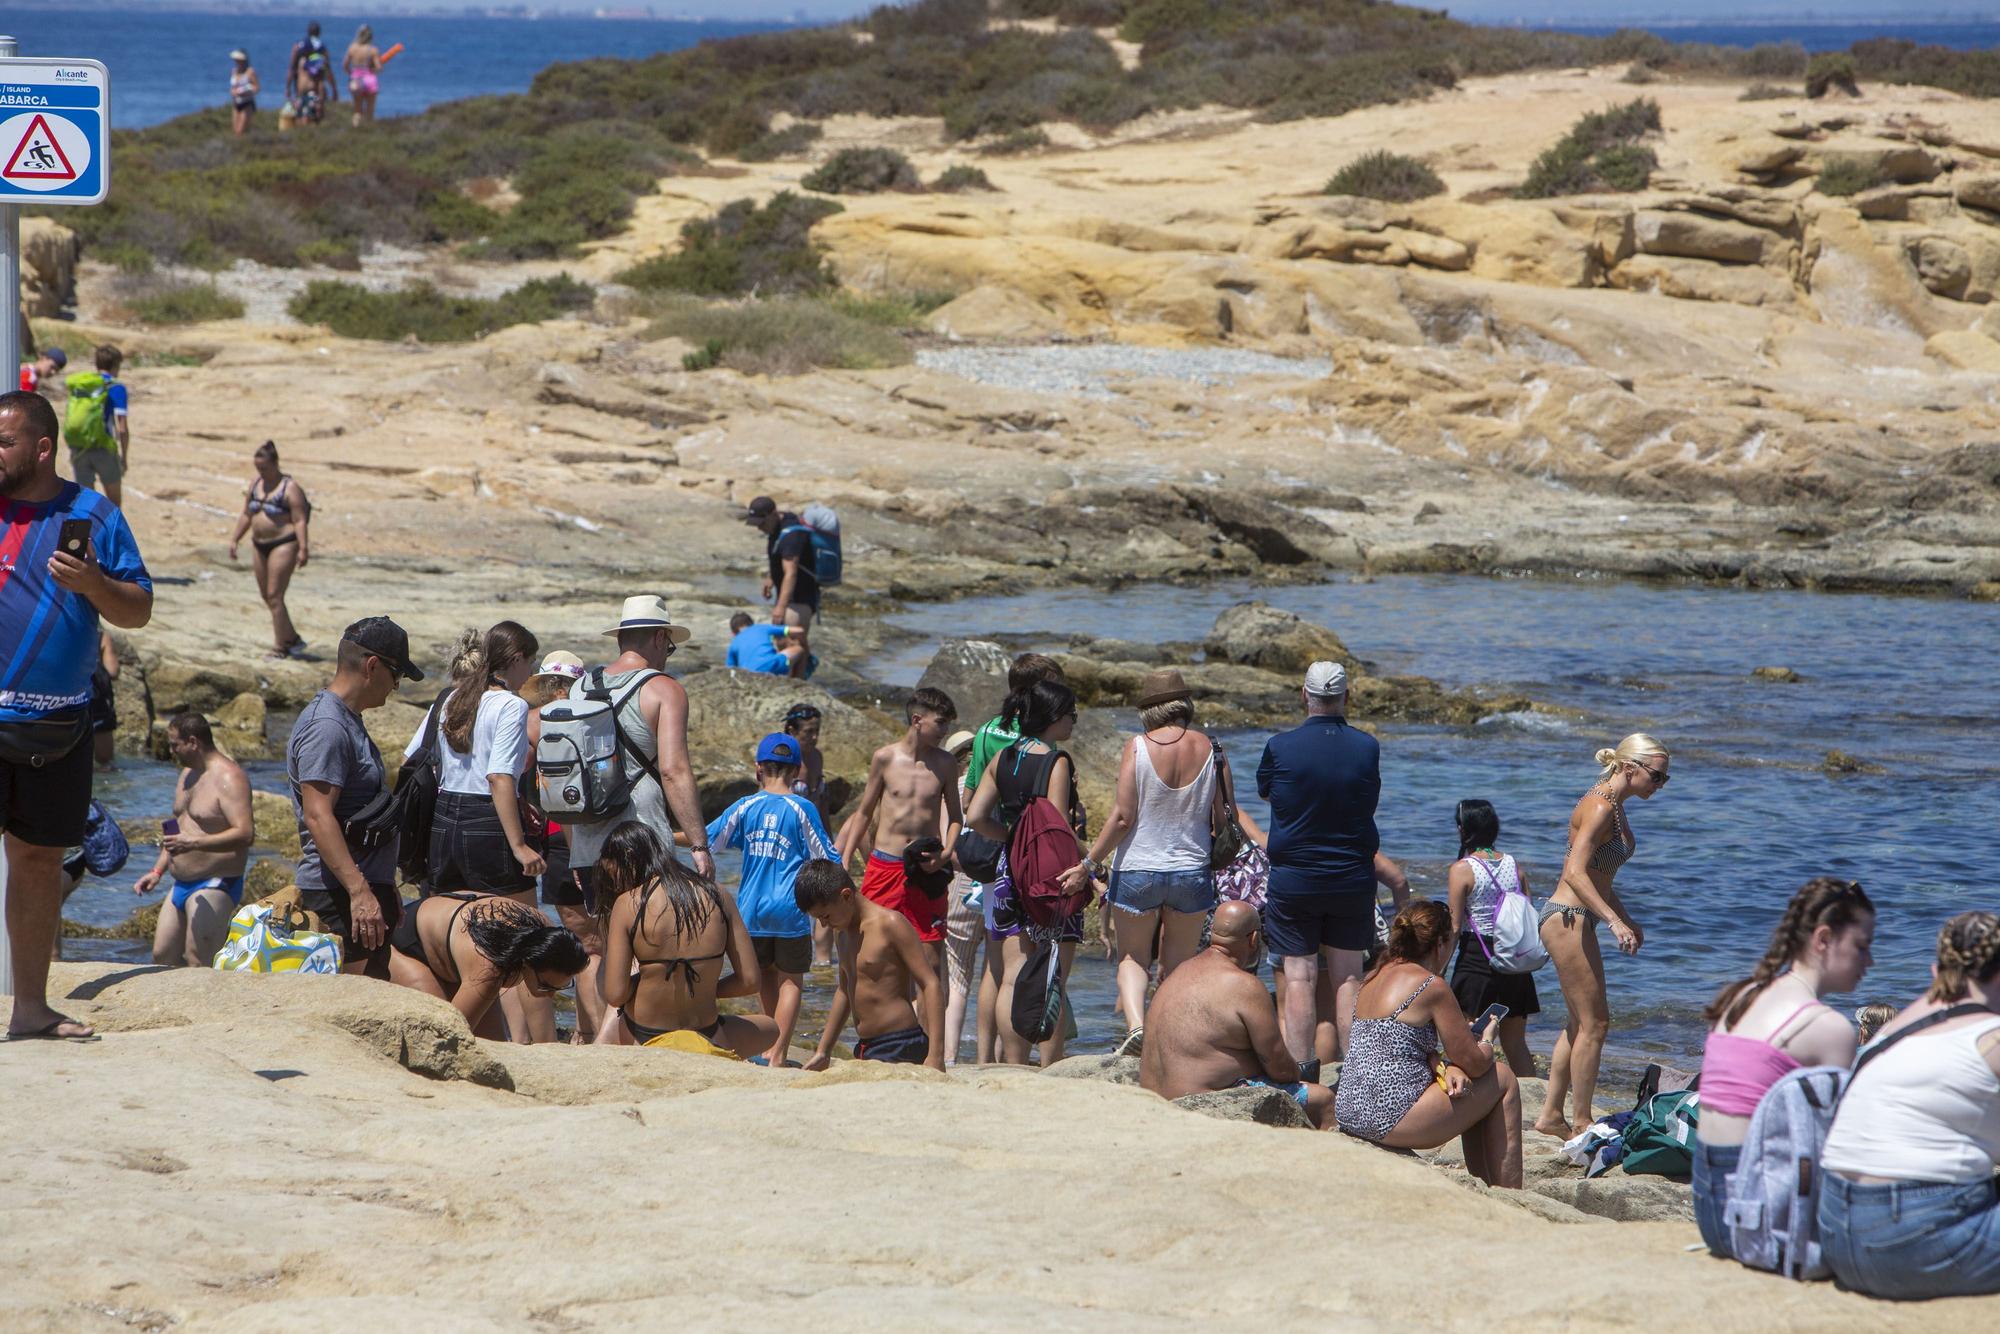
(1170,830)
(1928,1109)
(1489,881)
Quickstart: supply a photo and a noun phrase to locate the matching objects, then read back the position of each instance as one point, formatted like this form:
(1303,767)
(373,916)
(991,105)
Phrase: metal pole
(10,365)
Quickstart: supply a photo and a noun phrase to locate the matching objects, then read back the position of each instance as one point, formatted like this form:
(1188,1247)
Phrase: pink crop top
(1737,1072)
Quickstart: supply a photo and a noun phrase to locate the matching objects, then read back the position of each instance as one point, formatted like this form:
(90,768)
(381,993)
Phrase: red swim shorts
(884,883)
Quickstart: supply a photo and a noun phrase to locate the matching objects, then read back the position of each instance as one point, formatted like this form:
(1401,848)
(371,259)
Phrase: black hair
(39,413)
(515,937)
(819,883)
(1478,825)
(933,701)
(1033,711)
(740,621)
(1029,668)
(267,450)
(635,857)
(798,716)
(192,726)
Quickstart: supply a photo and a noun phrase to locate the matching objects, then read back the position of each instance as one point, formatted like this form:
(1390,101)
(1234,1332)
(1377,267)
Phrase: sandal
(47,1033)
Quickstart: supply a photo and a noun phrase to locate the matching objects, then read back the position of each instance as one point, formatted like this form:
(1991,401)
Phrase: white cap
(1326,679)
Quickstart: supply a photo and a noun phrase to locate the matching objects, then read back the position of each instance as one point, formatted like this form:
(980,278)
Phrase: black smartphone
(1487,1016)
(73,539)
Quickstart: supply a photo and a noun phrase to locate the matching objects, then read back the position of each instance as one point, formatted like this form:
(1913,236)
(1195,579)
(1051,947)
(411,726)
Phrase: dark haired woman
(1390,1092)
(1908,1201)
(668,933)
(468,948)
(1477,882)
(1772,1023)
(1044,714)
(275,515)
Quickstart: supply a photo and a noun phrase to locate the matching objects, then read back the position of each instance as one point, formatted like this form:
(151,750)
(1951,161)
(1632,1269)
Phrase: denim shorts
(1143,891)
(1912,1239)
(1714,1164)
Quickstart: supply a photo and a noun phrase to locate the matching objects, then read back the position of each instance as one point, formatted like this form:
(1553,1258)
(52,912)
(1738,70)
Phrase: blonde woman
(1600,841)
(364,74)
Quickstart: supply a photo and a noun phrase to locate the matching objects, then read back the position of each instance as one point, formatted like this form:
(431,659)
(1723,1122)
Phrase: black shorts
(469,849)
(564,886)
(103,703)
(330,906)
(49,806)
(787,954)
(1477,984)
(1298,926)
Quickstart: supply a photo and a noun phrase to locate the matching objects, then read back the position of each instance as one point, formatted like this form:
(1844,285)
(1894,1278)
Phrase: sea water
(1899,683)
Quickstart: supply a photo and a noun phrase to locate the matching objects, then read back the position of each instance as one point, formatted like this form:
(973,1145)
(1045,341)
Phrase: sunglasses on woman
(1659,778)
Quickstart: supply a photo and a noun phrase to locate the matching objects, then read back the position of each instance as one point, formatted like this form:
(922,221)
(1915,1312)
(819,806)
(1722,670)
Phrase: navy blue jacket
(1322,779)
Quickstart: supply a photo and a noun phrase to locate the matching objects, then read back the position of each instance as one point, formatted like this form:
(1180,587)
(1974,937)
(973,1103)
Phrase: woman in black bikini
(275,514)
(468,948)
(667,935)
(1600,841)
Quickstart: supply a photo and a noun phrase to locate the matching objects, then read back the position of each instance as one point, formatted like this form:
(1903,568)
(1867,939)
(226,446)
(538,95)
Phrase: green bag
(84,424)
(1659,1139)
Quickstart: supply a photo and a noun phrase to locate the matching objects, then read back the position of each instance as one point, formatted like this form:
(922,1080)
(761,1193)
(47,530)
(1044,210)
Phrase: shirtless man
(881,964)
(913,785)
(1212,1025)
(205,849)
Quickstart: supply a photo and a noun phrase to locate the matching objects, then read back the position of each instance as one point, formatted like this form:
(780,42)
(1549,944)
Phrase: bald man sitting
(1212,1026)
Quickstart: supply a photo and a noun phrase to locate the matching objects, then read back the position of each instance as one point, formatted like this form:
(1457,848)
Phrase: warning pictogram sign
(39,156)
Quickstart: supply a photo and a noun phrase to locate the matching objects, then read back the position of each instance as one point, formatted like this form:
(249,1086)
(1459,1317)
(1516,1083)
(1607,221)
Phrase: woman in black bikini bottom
(666,936)
(276,515)
(467,948)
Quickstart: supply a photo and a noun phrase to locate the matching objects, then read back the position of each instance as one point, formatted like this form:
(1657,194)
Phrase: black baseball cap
(387,641)
(760,509)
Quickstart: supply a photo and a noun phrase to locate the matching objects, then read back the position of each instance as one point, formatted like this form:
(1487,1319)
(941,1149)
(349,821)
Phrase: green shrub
(1846,176)
(1775,60)
(791,141)
(1386,175)
(422,312)
(156,300)
(783,336)
(126,258)
(706,357)
(1766,92)
(901,311)
(341,253)
(1016,141)
(863,171)
(1601,152)
(735,130)
(957,180)
(745,249)
(1830,70)
(1640,74)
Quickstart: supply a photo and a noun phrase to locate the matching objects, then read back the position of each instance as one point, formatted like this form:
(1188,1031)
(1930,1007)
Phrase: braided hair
(1823,901)
(1968,952)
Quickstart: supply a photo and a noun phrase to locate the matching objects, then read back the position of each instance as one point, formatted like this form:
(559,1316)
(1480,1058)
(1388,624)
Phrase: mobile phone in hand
(73,539)
(1487,1016)
(170,827)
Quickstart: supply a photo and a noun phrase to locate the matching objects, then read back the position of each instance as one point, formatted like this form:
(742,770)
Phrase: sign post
(55,148)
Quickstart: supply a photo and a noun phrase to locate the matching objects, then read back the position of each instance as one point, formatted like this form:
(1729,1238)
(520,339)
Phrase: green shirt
(992,737)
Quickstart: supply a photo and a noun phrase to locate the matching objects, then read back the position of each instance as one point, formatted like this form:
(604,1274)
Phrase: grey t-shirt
(329,745)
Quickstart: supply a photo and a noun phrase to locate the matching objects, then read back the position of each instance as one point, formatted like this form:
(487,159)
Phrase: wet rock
(277,825)
(1839,764)
(1266,1107)
(1110,1069)
(239,727)
(202,688)
(974,673)
(1418,699)
(1780,675)
(1988,591)
(730,711)
(1256,634)
(266,878)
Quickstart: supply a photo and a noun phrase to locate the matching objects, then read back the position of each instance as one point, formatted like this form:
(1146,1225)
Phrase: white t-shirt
(499,745)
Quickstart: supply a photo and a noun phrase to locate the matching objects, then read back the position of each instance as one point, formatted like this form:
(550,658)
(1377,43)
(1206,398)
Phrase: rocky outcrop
(1256,634)
(1262,1106)
(50,253)
(974,673)
(730,711)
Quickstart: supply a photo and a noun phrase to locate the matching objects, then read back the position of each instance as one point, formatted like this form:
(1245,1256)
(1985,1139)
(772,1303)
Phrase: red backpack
(1040,848)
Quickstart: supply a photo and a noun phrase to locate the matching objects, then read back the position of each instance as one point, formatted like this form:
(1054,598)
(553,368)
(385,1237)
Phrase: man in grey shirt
(335,771)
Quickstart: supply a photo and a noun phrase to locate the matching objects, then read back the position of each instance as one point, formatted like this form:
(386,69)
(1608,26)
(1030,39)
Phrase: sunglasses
(1659,779)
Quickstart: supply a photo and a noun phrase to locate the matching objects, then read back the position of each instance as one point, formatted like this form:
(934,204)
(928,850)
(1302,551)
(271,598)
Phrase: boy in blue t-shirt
(779,832)
(763,648)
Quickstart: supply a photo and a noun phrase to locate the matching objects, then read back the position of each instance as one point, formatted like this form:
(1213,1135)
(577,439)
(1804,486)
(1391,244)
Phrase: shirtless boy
(206,854)
(882,963)
(913,788)
(1212,1026)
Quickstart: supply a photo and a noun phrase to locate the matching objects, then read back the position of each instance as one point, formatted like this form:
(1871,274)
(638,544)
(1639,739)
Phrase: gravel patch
(1100,370)
(266,290)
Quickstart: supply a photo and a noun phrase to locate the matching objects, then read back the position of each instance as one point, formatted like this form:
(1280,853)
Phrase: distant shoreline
(361,9)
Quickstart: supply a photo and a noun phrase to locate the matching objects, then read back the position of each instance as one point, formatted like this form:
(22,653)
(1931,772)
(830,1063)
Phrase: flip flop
(48,1033)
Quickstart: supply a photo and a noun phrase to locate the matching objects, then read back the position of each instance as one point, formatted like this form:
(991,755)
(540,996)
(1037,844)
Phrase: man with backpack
(96,427)
(803,557)
(648,710)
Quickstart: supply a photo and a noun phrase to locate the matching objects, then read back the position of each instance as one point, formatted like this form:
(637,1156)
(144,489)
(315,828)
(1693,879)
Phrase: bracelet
(693,848)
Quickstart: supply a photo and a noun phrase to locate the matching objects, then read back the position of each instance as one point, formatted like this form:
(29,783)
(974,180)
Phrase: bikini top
(684,964)
(274,504)
(465,900)
(1736,1072)
(1615,851)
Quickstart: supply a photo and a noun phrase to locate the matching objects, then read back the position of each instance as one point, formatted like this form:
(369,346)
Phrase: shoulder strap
(1881,1045)
(1479,867)
(1412,996)
(632,688)
(431,727)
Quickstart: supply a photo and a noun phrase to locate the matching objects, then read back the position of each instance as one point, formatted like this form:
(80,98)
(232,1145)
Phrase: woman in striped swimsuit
(1600,841)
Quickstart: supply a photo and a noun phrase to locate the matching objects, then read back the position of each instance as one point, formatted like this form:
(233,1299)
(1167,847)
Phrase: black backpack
(407,812)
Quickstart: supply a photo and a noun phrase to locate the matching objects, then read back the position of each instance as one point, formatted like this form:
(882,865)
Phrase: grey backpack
(1773,1210)
(580,764)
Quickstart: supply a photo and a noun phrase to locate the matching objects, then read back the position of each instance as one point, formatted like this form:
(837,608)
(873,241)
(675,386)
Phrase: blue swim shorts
(1298,1090)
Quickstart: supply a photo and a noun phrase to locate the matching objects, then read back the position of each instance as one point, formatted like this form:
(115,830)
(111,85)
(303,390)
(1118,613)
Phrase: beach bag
(105,850)
(1516,946)
(822,529)
(1659,1139)
(580,760)
(1247,879)
(1040,848)
(1227,840)
(415,800)
(1038,992)
(1773,1210)
(84,426)
(978,856)
(270,937)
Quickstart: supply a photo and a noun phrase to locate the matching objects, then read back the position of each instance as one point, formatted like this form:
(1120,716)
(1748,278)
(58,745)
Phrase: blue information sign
(55,131)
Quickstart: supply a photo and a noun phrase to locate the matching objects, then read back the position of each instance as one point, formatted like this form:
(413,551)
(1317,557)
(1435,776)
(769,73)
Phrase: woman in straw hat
(1172,782)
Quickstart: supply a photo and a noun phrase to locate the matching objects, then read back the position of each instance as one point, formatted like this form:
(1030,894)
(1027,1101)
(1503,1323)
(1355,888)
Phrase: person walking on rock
(97,425)
(1323,779)
(67,561)
(205,849)
(276,516)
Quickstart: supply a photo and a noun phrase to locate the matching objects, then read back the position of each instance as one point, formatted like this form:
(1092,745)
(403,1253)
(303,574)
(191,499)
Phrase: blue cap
(778,748)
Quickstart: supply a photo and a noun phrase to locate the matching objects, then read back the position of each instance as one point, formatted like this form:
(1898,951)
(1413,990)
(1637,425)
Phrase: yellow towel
(686,1040)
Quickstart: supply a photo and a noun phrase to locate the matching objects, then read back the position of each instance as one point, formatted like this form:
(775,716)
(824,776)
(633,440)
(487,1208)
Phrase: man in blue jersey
(50,602)
(779,832)
(764,648)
